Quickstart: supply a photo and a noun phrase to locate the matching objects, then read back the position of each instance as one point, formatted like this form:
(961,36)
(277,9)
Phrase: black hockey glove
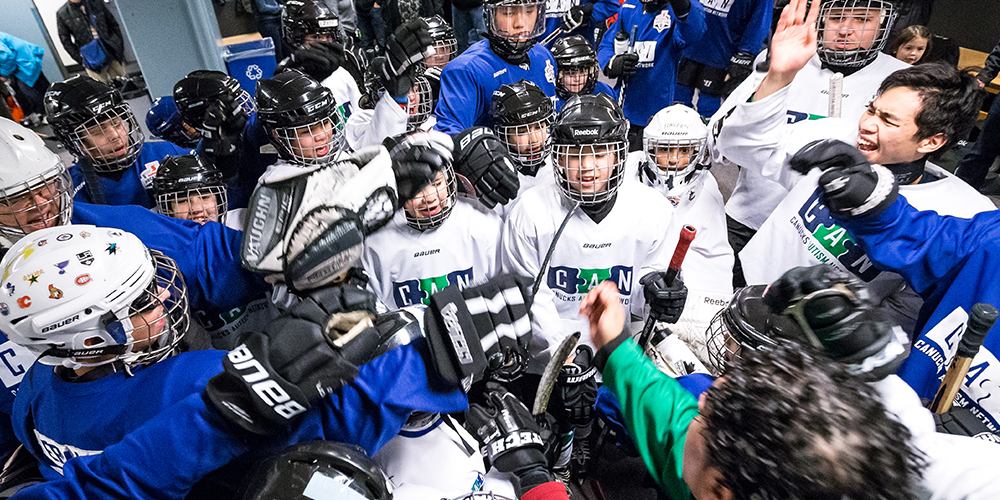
(416,160)
(740,67)
(222,127)
(576,391)
(311,350)
(483,159)
(482,331)
(318,59)
(666,303)
(510,436)
(396,85)
(576,16)
(851,186)
(622,65)
(409,44)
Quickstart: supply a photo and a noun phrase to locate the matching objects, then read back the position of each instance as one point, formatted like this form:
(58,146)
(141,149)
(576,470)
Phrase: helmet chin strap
(515,59)
(908,172)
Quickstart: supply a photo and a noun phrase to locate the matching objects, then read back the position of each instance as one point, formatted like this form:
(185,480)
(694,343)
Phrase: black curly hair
(789,423)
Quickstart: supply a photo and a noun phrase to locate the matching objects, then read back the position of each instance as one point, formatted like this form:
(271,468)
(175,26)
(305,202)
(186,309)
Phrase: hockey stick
(551,373)
(552,36)
(687,234)
(836,95)
(631,50)
(552,247)
(980,321)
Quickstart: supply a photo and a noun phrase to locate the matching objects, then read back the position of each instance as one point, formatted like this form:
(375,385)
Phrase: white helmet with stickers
(674,145)
(36,190)
(80,296)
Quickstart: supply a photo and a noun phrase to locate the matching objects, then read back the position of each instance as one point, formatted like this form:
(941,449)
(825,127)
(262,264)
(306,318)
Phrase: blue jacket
(20,58)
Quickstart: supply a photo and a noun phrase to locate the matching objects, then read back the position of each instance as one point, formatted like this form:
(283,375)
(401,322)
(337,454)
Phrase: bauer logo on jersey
(662,21)
(825,239)
(572,280)
(419,291)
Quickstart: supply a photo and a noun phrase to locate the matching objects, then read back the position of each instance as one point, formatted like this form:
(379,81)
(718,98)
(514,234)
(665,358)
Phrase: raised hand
(793,44)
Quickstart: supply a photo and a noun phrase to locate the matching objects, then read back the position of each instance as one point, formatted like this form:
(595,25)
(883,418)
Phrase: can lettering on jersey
(574,280)
(419,291)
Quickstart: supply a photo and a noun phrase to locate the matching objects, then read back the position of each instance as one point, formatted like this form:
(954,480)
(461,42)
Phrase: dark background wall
(233,21)
(974,24)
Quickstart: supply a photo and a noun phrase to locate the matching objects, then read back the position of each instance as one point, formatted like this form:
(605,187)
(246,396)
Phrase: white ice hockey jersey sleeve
(369,127)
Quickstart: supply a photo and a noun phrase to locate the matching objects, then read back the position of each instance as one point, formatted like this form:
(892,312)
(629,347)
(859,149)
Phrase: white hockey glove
(307,226)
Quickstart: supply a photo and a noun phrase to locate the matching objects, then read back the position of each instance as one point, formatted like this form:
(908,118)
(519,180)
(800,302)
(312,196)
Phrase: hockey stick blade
(551,373)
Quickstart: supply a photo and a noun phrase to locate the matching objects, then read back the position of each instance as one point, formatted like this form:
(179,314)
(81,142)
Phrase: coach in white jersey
(851,35)
(437,239)
(615,227)
(918,111)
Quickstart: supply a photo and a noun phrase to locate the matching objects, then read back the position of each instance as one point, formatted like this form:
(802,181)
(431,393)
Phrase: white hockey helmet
(36,190)
(674,144)
(80,296)
(852,32)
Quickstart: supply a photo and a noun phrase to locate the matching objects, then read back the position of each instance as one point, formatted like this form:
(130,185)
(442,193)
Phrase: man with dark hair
(976,164)
(86,25)
(917,113)
(782,423)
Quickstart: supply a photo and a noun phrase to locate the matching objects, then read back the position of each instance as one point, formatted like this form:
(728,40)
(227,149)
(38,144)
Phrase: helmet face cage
(164,301)
(111,140)
(576,77)
(590,173)
(514,25)
(314,143)
(420,103)
(201,204)
(445,49)
(673,160)
(846,27)
(432,206)
(45,200)
(318,26)
(246,103)
(528,144)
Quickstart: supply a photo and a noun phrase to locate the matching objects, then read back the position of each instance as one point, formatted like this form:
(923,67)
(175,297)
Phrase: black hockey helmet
(194,92)
(301,18)
(165,121)
(589,127)
(179,178)
(746,323)
(325,469)
(575,58)
(445,43)
(522,117)
(292,104)
(838,23)
(513,42)
(94,122)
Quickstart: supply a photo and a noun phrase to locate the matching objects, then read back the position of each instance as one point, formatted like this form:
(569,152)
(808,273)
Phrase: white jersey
(407,266)
(369,127)
(455,467)
(345,90)
(542,176)
(628,243)
(801,231)
(755,197)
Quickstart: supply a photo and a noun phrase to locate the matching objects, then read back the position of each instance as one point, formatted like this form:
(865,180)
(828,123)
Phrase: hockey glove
(510,436)
(222,127)
(576,390)
(398,86)
(408,45)
(417,159)
(482,331)
(622,66)
(851,186)
(307,225)
(576,16)
(318,59)
(666,303)
(311,350)
(740,67)
(482,158)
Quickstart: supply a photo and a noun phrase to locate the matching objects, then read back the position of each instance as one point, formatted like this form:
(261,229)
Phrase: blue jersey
(135,187)
(599,87)
(468,83)
(660,38)
(731,26)
(180,440)
(950,262)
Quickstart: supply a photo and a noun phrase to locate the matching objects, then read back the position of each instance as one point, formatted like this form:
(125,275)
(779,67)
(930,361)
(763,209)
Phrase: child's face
(851,29)
(673,158)
(148,323)
(911,52)
(431,200)
(313,141)
(38,208)
(516,21)
(197,206)
(106,141)
(573,80)
(588,168)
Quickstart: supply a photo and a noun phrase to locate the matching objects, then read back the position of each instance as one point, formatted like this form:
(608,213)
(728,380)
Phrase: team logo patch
(572,280)
(32,278)
(83,279)
(10,289)
(24,302)
(4,309)
(55,293)
(62,266)
(86,258)
(662,21)
(112,248)
(42,243)
(64,237)
(550,72)
(148,173)
(84,234)
(419,291)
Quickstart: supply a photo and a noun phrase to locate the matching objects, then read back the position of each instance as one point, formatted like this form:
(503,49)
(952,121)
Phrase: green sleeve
(657,411)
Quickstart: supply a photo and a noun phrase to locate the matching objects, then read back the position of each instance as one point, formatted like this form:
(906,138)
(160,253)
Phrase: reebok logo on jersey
(572,280)
(419,291)
(823,238)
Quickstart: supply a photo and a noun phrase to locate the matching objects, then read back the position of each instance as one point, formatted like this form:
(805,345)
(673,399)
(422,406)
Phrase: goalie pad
(307,225)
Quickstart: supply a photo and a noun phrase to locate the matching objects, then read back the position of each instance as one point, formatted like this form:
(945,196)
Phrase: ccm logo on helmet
(269,391)
(60,323)
(584,131)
